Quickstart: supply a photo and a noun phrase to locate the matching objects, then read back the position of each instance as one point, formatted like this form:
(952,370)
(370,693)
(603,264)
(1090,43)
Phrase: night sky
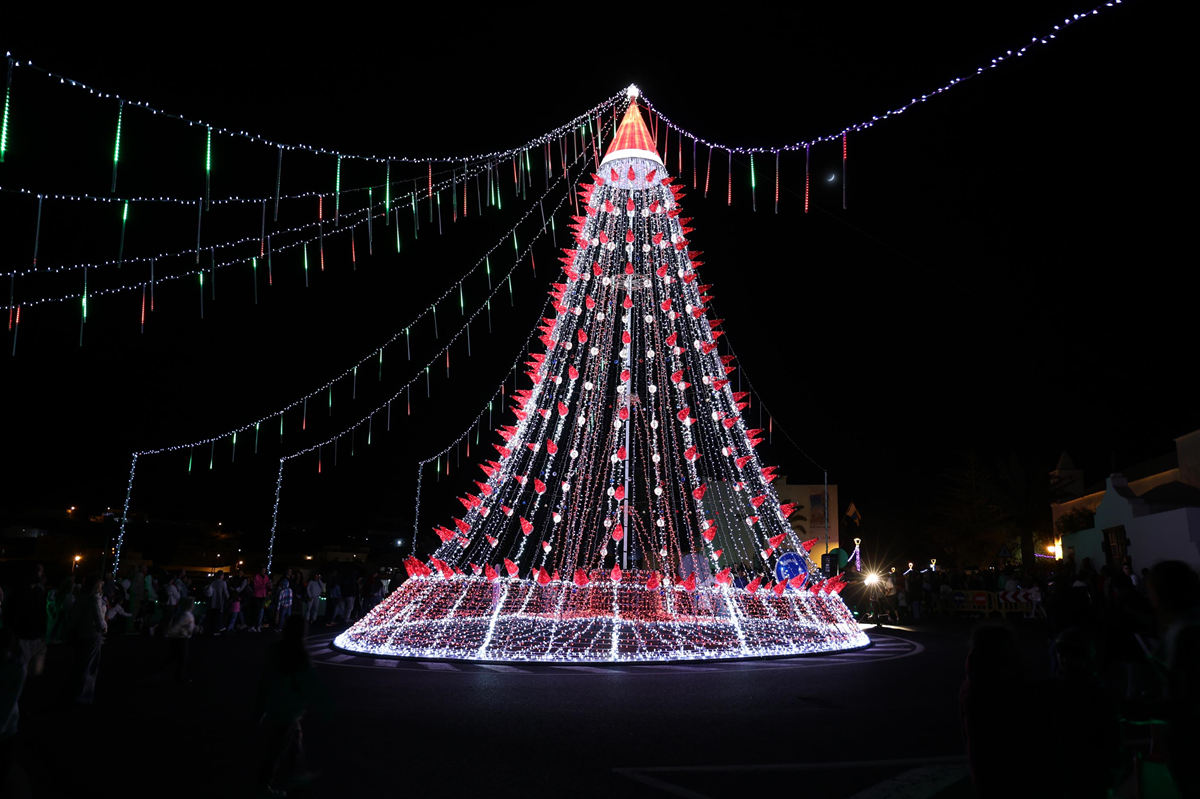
(1007,277)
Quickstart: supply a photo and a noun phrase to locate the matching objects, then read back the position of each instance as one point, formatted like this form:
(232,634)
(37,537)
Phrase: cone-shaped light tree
(591,532)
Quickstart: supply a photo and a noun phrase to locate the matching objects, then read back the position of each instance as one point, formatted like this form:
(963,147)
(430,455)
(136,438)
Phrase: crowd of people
(1123,649)
(79,613)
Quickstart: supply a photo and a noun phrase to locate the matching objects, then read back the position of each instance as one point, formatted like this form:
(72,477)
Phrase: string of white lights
(487,408)
(243,134)
(408,200)
(234,200)
(506,279)
(1007,55)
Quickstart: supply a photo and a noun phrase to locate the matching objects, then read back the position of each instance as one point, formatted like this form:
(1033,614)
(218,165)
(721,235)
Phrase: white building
(1152,514)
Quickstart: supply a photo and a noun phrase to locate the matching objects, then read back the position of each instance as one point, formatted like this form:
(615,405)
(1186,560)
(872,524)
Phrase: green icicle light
(191,452)
(117,146)
(462,308)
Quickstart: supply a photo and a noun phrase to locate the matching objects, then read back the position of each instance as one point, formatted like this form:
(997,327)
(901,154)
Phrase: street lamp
(933,564)
(75,562)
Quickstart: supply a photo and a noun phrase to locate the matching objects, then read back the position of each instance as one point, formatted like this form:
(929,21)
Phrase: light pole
(75,562)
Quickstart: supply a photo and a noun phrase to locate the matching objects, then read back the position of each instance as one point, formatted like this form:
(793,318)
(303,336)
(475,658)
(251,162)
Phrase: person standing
(314,591)
(27,615)
(262,589)
(218,595)
(137,594)
(350,589)
(168,611)
(88,628)
(284,603)
(334,599)
(288,689)
(12,682)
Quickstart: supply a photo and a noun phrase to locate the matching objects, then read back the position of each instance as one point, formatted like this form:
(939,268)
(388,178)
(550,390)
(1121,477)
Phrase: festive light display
(351,371)
(496,155)
(360,216)
(594,532)
(1004,57)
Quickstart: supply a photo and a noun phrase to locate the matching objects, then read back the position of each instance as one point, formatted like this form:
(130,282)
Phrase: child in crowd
(236,619)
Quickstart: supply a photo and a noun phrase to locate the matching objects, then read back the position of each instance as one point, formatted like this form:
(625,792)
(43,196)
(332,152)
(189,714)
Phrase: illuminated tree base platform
(471,618)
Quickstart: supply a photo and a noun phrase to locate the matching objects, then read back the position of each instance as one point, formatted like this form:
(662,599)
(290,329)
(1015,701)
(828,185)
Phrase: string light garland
(358,217)
(243,134)
(376,352)
(629,468)
(999,60)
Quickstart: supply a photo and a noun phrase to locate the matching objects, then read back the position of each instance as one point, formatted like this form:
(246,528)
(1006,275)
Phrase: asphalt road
(830,726)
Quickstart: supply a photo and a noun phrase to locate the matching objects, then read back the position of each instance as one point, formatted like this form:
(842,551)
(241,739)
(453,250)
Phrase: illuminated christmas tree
(593,534)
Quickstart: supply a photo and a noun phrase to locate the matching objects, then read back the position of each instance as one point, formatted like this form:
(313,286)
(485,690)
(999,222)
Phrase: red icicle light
(618,532)
(754,584)
(462,526)
(511,568)
(652,583)
(581,578)
(683,414)
(776,540)
(698,493)
(758,501)
(621,453)
(543,577)
(627,303)
(626,338)
(491,541)
(690,583)
(691,453)
(563,410)
(572,373)
(582,336)
(615,574)
(808,545)
(709,534)
(723,577)
(551,447)
(629,206)
(619,492)
(490,573)
(539,486)
(780,587)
